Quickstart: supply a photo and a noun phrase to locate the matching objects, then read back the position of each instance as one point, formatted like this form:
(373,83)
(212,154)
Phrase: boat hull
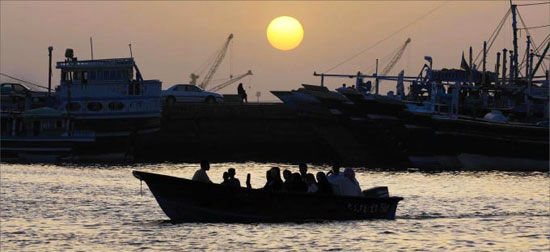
(183,200)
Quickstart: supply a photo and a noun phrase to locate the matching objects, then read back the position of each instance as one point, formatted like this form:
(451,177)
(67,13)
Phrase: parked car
(14,89)
(189,93)
(17,96)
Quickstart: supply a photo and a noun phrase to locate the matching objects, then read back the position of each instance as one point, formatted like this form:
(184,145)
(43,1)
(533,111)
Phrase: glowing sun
(285,33)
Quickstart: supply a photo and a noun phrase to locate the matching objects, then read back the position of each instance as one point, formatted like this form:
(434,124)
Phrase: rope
(26,82)
(387,37)
(493,36)
(530,4)
(529,34)
(534,27)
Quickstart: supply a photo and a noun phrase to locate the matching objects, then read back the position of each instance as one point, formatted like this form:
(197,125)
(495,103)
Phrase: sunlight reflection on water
(48,207)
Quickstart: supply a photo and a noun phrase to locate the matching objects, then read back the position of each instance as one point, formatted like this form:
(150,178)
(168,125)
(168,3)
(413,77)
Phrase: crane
(217,61)
(229,82)
(395,58)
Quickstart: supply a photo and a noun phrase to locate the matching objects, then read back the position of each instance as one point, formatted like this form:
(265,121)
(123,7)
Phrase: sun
(285,33)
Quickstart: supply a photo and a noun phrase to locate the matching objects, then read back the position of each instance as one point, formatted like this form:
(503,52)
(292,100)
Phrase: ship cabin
(107,88)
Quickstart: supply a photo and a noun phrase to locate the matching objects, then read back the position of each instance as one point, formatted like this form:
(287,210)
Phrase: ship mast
(514,69)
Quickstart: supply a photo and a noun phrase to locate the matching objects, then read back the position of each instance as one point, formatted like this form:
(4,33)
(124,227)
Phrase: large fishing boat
(104,103)
(110,98)
(467,118)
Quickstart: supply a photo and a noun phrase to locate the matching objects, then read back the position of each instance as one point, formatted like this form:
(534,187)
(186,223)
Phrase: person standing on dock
(200,174)
(242,93)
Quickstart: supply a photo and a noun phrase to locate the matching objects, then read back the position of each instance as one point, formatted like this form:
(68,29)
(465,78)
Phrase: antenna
(130,46)
(92,48)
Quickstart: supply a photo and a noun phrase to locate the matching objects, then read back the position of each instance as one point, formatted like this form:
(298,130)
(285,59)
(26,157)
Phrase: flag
(464,64)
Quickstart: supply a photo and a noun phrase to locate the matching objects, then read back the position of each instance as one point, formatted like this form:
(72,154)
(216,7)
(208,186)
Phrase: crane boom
(216,64)
(229,82)
(395,58)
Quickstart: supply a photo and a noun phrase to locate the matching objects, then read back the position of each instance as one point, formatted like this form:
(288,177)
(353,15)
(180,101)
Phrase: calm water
(100,208)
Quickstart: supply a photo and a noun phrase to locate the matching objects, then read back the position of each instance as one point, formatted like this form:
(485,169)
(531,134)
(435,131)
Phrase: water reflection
(49,207)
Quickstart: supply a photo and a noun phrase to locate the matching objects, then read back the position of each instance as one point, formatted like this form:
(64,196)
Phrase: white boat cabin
(106,88)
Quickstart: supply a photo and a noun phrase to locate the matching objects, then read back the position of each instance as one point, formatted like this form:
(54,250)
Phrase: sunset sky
(172,39)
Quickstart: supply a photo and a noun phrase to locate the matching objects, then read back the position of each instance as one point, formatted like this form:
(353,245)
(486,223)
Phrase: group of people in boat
(333,182)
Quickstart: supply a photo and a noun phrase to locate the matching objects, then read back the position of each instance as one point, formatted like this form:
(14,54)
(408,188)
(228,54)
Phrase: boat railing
(144,88)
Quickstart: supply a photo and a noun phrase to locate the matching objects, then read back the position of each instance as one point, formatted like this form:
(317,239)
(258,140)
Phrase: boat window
(58,124)
(77,75)
(116,106)
(105,75)
(66,75)
(95,106)
(119,75)
(113,75)
(73,106)
(84,77)
(92,75)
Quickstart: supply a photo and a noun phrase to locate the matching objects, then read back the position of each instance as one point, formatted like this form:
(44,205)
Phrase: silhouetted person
(225,178)
(287,185)
(276,183)
(248,185)
(335,178)
(268,179)
(298,185)
(200,174)
(350,185)
(232,180)
(323,184)
(334,172)
(311,183)
(303,171)
(242,93)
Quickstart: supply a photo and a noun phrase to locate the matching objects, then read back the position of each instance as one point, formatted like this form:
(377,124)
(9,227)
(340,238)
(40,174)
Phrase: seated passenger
(311,183)
(335,178)
(200,174)
(268,179)
(287,175)
(225,179)
(303,171)
(350,185)
(276,183)
(323,184)
(232,180)
(297,185)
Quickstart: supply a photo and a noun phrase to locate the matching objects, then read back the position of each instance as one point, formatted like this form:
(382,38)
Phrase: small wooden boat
(184,200)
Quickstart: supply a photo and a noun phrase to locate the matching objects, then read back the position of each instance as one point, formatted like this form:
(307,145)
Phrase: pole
(322,80)
(484,61)
(130,46)
(514,70)
(504,66)
(497,67)
(511,75)
(50,49)
(470,76)
(376,80)
(92,48)
(527,51)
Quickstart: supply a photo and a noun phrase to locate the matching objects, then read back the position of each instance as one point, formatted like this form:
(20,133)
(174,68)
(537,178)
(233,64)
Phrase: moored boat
(184,200)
